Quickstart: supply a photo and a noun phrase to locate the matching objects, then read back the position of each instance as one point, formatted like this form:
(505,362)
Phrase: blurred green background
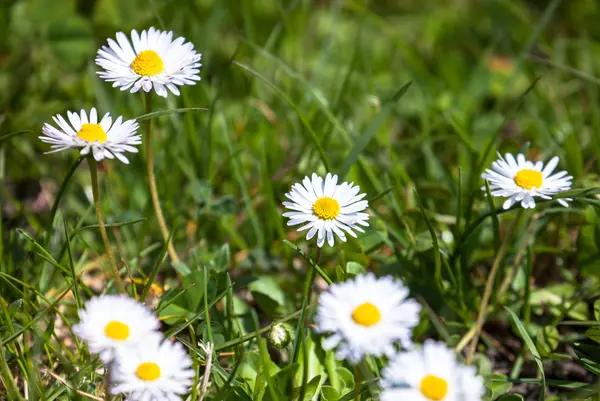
(273,71)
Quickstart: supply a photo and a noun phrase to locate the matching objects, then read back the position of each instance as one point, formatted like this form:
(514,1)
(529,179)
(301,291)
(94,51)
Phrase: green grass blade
(530,344)
(312,134)
(10,135)
(159,260)
(365,138)
(156,114)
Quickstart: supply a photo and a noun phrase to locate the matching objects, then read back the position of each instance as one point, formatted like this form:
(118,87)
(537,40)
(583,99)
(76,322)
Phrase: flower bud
(280,335)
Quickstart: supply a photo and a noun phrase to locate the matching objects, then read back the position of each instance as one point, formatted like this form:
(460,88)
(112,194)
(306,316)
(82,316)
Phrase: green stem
(115,271)
(152,183)
(489,285)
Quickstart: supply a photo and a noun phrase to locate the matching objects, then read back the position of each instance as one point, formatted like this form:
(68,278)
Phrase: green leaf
(220,262)
(354,268)
(597,309)
(498,384)
(347,379)
(593,333)
(310,389)
(280,383)
(531,346)
(547,340)
(329,393)
(268,294)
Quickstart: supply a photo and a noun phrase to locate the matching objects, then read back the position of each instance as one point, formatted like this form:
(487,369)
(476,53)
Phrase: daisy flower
(154,61)
(111,322)
(152,371)
(326,208)
(103,139)
(430,374)
(366,316)
(521,180)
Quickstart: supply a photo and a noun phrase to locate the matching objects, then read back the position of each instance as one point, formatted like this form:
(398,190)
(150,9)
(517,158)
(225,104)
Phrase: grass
(410,100)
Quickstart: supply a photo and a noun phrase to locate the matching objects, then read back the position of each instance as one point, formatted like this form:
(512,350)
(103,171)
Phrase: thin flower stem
(489,285)
(115,271)
(152,182)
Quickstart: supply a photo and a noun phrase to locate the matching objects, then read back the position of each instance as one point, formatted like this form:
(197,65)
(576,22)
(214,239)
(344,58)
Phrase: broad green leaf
(498,384)
(329,393)
(547,340)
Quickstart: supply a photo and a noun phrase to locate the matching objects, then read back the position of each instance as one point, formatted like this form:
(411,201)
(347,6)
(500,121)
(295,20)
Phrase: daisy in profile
(103,138)
(325,208)
(151,60)
(430,374)
(521,180)
(155,370)
(366,316)
(111,322)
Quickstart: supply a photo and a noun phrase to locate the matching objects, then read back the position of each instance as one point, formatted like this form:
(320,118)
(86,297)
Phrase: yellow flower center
(116,330)
(366,314)
(434,388)
(326,208)
(148,63)
(528,179)
(148,371)
(92,133)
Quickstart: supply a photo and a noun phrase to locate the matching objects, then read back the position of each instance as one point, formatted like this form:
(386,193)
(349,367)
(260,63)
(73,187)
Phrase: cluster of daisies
(364,316)
(151,60)
(142,364)
(370,316)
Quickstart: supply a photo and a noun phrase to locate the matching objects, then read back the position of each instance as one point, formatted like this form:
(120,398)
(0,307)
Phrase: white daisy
(111,322)
(154,60)
(430,374)
(327,208)
(152,371)
(521,180)
(366,316)
(104,138)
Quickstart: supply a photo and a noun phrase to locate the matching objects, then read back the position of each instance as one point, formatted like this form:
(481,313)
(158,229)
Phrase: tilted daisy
(104,139)
(326,208)
(154,61)
(431,373)
(521,180)
(111,322)
(152,371)
(366,316)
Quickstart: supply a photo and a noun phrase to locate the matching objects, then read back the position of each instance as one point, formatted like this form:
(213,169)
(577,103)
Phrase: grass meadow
(410,100)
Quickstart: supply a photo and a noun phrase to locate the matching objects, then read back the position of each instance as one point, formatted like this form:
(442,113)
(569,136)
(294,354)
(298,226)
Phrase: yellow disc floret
(148,63)
(366,314)
(116,330)
(148,371)
(92,133)
(434,388)
(528,179)
(326,208)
